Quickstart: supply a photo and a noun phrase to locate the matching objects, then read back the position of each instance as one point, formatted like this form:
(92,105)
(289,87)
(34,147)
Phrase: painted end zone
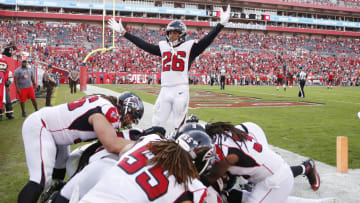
(207,99)
(249,104)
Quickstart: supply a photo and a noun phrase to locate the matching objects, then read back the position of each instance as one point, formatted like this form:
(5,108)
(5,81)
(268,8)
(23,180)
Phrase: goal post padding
(83,77)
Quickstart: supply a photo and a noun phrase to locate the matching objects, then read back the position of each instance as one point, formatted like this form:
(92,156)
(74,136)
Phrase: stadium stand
(251,56)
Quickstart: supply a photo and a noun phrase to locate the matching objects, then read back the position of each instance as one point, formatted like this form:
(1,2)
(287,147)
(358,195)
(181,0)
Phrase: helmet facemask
(131,108)
(204,160)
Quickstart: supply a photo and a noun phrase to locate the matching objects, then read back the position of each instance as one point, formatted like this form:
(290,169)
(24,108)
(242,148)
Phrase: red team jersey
(133,180)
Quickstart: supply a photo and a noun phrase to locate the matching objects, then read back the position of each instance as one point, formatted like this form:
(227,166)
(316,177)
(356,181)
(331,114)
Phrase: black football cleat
(311,174)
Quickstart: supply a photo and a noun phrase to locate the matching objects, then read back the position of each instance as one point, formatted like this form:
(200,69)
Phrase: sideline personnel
(302,80)
(25,85)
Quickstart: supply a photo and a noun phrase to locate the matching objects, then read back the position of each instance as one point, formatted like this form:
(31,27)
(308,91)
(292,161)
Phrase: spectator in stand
(280,80)
(263,47)
(25,85)
(73,80)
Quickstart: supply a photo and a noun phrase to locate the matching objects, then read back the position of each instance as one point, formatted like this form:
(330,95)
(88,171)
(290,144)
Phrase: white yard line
(317,100)
(345,187)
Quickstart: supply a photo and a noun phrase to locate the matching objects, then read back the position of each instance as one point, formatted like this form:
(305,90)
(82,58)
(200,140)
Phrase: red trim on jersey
(219,152)
(265,196)
(202,199)
(43,122)
(219,200)
(268,169)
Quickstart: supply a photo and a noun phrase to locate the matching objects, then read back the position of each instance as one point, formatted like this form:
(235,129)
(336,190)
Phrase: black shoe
(311,174)
(11,116)
(24,114)
(0,117)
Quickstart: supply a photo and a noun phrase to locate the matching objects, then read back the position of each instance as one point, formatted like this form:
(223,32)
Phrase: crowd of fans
(249,58)
(332,3)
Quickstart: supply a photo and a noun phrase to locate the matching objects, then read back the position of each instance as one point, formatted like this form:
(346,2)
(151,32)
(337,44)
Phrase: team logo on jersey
(113,115)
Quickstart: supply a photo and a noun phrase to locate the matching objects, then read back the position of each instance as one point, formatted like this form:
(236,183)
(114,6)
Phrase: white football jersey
(175,63)
(132,180)
(256,160)
(69,124)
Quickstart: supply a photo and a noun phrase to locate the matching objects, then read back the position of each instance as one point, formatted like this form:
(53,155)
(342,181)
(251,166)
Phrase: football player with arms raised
(177,55)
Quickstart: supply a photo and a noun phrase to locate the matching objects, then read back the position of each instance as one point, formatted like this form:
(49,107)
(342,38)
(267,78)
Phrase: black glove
(134,134)
(229,181)
(154,130)
(234,196)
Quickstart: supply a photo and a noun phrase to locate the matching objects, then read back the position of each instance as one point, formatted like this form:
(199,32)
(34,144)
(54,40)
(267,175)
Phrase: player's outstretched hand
(118,27)
(225,16)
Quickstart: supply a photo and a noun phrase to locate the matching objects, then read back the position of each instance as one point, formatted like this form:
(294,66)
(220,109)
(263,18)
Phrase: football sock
(298,170)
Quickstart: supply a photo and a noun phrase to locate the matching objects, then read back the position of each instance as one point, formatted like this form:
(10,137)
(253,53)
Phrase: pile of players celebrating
(195,163)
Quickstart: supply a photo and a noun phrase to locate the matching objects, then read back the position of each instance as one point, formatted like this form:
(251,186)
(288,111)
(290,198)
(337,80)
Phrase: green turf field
(308,130)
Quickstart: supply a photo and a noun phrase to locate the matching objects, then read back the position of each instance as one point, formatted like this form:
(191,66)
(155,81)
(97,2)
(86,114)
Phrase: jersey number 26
(174,62)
